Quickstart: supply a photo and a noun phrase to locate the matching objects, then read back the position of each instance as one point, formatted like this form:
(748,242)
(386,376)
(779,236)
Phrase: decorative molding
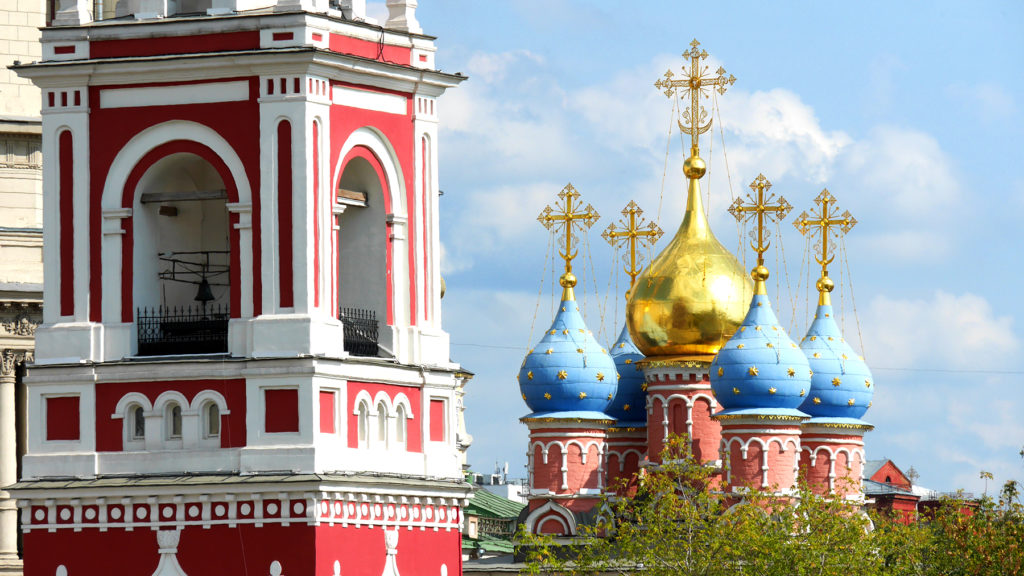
(21,152)
(166,512)
(10,358)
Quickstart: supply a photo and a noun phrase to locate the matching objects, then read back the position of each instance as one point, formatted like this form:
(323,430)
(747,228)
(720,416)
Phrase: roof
(760,368)
(488,543)
(630,400)
(841,384)
(488,505)
(872,488)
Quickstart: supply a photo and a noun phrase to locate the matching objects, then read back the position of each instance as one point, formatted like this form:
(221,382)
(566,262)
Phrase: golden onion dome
(693,296)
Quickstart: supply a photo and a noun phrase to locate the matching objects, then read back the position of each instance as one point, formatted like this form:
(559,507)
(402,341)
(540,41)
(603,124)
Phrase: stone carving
(10,358)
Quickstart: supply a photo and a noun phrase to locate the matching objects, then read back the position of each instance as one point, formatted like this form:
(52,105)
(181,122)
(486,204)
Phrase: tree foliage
(678,524)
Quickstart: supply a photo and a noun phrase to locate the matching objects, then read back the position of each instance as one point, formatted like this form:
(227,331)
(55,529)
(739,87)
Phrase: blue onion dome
(629,404)
(568,370)
(760,370)
(842,386)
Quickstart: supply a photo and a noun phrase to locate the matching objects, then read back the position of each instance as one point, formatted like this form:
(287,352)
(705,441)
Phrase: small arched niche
(362,257)
(181,257)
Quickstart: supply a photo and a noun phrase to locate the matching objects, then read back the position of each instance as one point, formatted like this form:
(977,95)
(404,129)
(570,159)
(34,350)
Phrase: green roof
(487,505)
(488,543)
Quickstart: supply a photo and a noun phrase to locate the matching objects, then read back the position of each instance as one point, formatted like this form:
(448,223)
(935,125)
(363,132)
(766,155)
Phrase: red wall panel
(62,418)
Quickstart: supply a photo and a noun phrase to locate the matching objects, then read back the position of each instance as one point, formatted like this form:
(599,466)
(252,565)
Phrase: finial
(567,281)
(697,82)
(760,206)
(828,225)
(633,230)
(564,217)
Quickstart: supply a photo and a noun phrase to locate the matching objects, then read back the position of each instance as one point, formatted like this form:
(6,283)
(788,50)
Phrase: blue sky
(909,112)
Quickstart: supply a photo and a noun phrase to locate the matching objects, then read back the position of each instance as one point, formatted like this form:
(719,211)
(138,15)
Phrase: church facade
(241,365)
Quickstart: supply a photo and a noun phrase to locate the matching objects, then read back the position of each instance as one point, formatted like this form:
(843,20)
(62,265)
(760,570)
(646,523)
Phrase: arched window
(211,417)
(382,424)
(138,423)
(173,417)
(363,424)
(400,424)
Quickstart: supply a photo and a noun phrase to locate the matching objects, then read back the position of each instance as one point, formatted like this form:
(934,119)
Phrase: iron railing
(183,330)
(360,329)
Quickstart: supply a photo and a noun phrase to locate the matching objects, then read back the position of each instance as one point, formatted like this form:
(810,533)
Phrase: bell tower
(242,325)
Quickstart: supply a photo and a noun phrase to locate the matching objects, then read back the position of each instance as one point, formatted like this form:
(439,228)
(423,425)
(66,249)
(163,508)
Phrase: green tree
(677,523)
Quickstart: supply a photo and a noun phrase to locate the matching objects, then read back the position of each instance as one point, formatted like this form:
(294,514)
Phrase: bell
(204,294)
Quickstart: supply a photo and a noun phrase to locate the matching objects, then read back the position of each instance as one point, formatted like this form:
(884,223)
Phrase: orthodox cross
(827,224)
(634,231)
(760,206)
(565,216)
(696,83)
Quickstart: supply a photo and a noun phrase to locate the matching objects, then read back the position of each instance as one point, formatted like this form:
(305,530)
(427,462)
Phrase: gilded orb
(824,284)
(694,168)
(694,295)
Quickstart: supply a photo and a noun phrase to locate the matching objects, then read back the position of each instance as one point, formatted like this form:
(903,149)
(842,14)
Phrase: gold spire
(761,209)
(634,231)
(564,219)
(695,84)
(828,225)
(692,297)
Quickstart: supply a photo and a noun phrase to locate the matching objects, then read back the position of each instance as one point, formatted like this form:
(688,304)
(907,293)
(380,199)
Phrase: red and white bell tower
(242,361)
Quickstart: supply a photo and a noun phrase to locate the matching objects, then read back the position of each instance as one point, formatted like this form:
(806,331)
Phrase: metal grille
(183,330)
(500,527)
(360,331)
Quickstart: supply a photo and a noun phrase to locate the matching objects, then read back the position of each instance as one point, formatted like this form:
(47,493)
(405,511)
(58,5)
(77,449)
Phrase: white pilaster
(402,16)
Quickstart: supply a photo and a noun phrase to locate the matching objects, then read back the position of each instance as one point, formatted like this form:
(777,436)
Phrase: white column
(72,13)
(8,456)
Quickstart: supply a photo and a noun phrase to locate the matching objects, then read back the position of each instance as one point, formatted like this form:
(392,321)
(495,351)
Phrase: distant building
(490,524)
(21,248)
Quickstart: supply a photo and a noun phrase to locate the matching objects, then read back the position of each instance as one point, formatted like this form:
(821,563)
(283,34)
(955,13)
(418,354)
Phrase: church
(702,355)
(241,366)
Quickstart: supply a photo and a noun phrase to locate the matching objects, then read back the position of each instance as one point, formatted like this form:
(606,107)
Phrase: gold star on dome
(609,395)
(721,371)
(517,377)
(827,315)
(629,361)
(850,402)
(810,372)
(644,386)
(869,404)
(813,338)
(735,390)
(758,328)
(622,345)
(802,392)
(566,331)
(549,350)
(739,346)
(791,372)
(529,375)
(547,396)
(829,338)
(843,356)
(867,383)
(836,381)
(793,345)
(817,400)
(600,377)
(625,407)
(553,332)
(583,395)
(759,303)
(580,350)
(563,308)
(769,344)
(524,396)
(816,355)
(752,370)
(743,328)
(562,374)
(771,390)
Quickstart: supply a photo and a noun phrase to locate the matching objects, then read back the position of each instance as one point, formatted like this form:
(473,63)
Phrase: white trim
(367,100)
(564,514)
(202,93)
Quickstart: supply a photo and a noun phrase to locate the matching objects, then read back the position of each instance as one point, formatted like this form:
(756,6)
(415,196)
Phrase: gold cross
(828,225)
(632,230)
(696,83)
(566,218)
(761,208)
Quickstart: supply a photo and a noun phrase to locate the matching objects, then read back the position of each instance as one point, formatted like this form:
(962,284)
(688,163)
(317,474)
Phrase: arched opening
(211,424)
(137,425)
(181,257)
(363,424)
(173,421)
(363,284)
(401,424)
(382,425)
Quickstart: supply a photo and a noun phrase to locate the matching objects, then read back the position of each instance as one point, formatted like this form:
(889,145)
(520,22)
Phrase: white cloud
(987,101)
(492,68)
(906,170)
(943,331)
